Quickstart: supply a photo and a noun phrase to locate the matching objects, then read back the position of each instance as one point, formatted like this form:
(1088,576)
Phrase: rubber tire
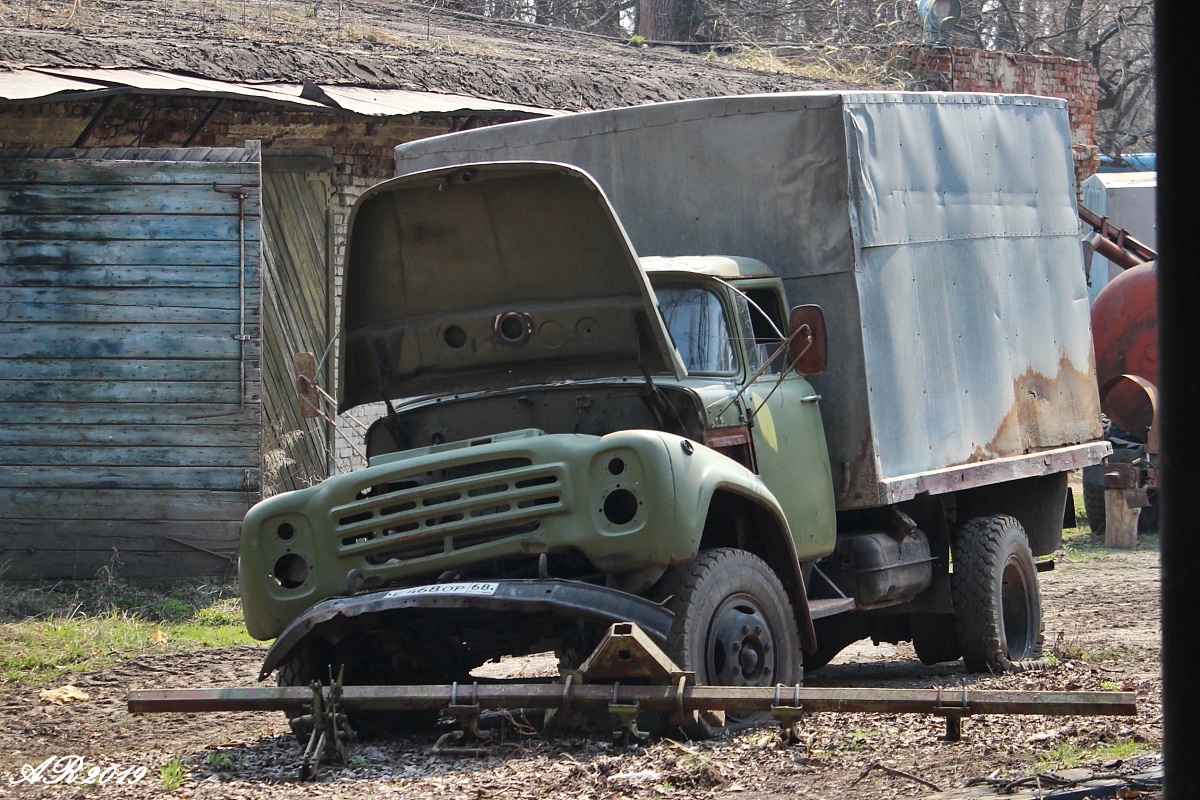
(310,664)
(300,670)
(1148,519)
(1093,506)
(997,600)
(732,590)
(935,638)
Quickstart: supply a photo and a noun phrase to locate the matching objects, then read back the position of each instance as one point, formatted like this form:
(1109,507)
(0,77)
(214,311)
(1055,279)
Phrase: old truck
(841,400)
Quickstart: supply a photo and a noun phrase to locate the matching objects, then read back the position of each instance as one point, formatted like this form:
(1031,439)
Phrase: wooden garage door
(296,202)
(129,359)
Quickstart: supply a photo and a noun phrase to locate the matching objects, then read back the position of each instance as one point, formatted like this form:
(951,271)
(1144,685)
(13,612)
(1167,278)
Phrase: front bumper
(569,599)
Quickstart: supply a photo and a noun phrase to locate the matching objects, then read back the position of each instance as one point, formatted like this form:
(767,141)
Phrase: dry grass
(866,66)
(49,629)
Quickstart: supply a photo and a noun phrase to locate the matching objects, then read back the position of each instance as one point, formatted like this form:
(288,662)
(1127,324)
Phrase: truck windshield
(699,329)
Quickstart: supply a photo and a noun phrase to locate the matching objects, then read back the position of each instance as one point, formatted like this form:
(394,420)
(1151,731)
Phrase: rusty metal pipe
(1115,244)
(957,702)
(1114,252)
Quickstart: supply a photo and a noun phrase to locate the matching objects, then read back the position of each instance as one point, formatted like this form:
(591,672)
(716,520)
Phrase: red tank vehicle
(1125,335)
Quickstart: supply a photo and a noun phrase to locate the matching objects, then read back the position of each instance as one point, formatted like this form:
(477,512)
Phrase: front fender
(700,472)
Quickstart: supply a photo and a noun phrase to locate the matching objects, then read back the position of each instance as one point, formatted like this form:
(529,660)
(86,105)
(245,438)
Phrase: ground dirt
(1102,620)
(375,43)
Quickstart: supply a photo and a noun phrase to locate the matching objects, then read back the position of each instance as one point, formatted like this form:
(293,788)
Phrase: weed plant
(48,630)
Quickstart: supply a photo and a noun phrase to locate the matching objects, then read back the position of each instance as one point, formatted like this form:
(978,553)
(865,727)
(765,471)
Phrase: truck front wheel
(997,602)
(362,663)
(734,626)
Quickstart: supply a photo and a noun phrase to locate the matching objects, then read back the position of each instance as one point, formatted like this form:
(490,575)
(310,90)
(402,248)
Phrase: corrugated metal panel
(27,85)
(976,323)
(210,155)
(46,83)
(937,230)
(394,102)
(122,426)
(149,80)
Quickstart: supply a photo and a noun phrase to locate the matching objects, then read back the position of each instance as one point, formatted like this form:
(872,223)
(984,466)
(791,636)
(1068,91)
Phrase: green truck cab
(717,448)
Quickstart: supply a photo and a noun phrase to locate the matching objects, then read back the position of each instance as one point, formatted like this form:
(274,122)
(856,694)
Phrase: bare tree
(1115,36)
(1123,55)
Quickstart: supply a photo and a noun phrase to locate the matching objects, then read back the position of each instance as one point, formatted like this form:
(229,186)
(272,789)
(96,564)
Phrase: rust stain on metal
(860,475)
(1064,409)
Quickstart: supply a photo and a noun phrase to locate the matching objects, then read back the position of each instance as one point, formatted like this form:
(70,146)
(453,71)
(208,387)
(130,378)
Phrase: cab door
(786,428)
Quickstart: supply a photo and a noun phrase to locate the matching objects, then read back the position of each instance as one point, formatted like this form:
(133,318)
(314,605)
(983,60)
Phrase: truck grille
(430,514)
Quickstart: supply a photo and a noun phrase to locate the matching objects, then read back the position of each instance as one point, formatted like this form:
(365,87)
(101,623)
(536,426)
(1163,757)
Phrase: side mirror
(307,393)
(808,351)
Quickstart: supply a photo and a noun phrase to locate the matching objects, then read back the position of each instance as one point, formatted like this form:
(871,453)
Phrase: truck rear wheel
(997,602)
(1093,506)
(734,626)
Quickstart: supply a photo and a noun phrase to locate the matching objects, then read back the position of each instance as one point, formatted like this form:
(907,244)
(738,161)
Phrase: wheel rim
(741,644)
(1017,612)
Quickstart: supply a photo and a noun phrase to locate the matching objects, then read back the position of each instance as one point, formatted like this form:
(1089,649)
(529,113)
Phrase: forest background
(1116,38)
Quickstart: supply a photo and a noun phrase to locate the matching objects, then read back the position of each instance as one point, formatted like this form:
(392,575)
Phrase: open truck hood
(488,276)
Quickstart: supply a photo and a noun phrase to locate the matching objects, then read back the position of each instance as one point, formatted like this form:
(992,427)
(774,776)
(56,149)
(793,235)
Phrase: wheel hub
(740,645)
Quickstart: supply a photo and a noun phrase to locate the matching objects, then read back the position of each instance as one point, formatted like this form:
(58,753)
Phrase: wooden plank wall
(296,198)
(123,430)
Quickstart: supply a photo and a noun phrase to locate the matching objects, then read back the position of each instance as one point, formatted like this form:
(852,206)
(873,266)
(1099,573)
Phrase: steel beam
(940,702)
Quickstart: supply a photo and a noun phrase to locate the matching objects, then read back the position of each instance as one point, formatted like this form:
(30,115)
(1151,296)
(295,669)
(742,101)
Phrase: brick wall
(354,177)
(960,69)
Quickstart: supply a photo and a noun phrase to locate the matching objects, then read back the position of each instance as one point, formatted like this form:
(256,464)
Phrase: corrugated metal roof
(156,81)
(390,102)
(26,84)
(175,155)
(41,84)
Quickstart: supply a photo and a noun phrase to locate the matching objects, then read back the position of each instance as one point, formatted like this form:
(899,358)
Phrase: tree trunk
(1072,20)
(645,20)
(1120,521)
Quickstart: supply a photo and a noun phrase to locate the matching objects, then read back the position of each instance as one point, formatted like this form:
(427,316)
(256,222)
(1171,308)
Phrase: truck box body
(937,231)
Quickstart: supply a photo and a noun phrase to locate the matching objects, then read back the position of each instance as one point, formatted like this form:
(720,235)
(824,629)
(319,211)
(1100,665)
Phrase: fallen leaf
(64,695)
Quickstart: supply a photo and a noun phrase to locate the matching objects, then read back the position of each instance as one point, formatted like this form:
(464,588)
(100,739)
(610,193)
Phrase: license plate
(472,589)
